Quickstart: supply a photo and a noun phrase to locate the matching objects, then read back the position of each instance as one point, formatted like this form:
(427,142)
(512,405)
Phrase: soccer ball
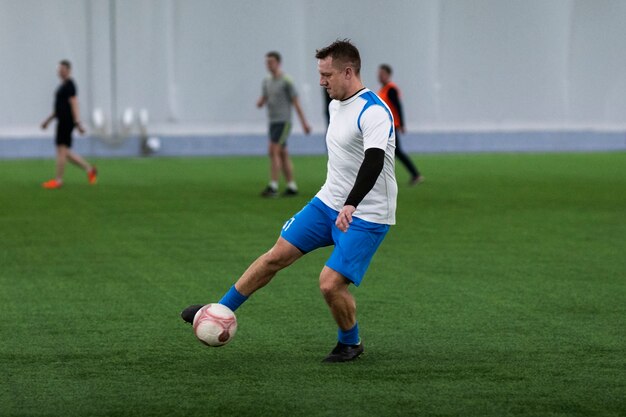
(153,144)
(215,325)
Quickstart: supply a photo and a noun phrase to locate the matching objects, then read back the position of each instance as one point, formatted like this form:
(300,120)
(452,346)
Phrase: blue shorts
(314,227)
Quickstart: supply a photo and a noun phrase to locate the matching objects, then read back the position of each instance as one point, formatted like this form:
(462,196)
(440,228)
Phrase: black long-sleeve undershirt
(394,97)
(366,178)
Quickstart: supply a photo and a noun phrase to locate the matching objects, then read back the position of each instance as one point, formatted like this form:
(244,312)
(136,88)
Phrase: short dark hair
(273,54)
(386,68)
(344,52)
(67,64)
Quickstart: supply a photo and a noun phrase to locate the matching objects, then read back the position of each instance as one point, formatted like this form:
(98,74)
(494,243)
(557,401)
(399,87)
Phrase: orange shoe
(52,184)
(92,175)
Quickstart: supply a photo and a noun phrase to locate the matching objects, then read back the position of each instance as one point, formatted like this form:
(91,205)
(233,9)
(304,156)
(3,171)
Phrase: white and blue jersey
(357,124)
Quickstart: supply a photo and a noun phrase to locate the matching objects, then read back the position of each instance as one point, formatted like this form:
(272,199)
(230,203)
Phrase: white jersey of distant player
(357,124)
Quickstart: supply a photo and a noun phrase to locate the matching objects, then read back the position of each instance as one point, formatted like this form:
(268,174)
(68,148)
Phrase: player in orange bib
(390,93)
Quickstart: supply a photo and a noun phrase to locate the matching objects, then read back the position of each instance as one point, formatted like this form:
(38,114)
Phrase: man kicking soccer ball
(354,209)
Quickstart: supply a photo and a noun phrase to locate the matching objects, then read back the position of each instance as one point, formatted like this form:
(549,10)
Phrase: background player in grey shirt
(280,94)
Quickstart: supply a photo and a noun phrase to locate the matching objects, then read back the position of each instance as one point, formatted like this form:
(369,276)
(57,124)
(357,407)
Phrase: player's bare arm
(76,114)
(46,122)
(303,122)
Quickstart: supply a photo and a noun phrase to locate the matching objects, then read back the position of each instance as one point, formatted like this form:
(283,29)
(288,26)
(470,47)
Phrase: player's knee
(327,290)
(276,260)
(329,285)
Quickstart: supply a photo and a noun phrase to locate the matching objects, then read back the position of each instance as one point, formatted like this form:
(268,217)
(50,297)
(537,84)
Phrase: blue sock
(233,299)
(350,337)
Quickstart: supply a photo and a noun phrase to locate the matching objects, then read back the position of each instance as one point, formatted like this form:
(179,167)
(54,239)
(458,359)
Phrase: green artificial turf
(500,292)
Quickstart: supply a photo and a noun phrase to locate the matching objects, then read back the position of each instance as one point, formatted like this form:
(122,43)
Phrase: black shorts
(279,132)
(64,134)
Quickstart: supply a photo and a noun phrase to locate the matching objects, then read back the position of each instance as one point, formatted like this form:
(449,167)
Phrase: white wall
(196,65)
(34,36)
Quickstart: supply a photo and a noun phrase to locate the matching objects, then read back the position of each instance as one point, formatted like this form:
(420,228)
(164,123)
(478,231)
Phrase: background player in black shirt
(67,114)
